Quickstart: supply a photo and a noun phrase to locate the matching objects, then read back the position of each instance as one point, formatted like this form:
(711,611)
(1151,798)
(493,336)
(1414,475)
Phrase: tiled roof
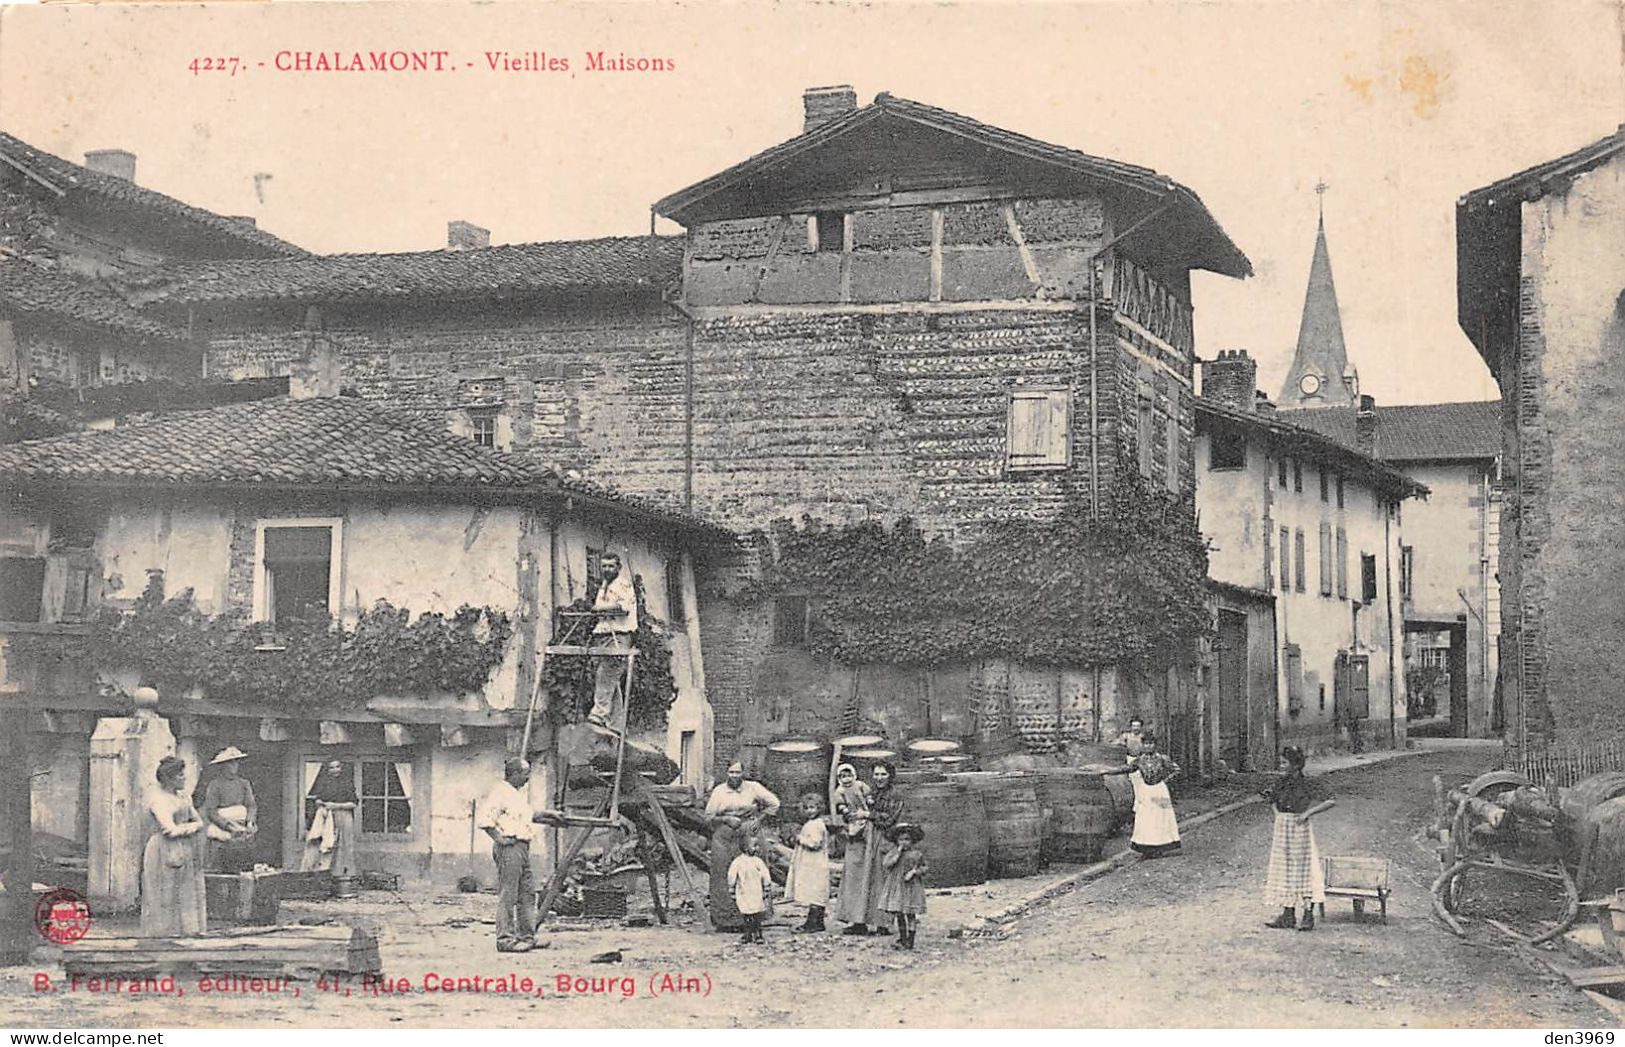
(1286,428)
(328,442)
(320,440)
(71,177)
(609,262)
(32,289)
(1223,255)
(1414,432)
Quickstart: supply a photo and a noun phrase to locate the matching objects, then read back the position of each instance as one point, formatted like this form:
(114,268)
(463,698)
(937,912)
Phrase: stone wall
(1562,575)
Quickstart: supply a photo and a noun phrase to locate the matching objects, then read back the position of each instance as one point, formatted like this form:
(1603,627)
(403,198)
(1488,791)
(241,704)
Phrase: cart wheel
(1454,890)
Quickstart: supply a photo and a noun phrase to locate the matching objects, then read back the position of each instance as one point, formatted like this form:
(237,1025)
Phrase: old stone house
(1306,535)
(70,235)
(899,312)
(1449,564)
(1540,287)
(283,519)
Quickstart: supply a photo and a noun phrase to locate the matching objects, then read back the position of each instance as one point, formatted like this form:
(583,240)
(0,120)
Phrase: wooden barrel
(864,760)
(795,766)
(1122,791)
(950,764)
(929,748)
(1080,812)
(920,774)
(860,741)
(955,823)
(1015,820)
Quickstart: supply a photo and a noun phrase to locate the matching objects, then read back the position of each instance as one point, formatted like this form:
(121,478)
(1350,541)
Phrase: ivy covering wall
(1126,589)
(314,664)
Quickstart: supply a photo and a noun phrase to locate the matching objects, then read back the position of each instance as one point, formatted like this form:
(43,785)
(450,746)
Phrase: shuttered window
(1039,432)
(1298,574)
(1286,560)
(1325,559)
(1342,563)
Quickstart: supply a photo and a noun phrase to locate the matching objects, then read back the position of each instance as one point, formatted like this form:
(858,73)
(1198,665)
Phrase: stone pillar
(124,755)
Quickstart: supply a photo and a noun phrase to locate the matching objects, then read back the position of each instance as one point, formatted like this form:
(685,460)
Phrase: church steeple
(1320,375)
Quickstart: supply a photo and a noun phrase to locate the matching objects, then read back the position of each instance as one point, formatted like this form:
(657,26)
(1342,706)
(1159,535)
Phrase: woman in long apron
(172,898)
(1295,876)
(735,810)
(885,812)
(1156,830)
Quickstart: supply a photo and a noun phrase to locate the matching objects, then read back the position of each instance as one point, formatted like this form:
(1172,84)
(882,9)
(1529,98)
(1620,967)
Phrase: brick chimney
(120,163)
(466,236)
(1262,404)
(1231,380)
(1365,426)
(822,105)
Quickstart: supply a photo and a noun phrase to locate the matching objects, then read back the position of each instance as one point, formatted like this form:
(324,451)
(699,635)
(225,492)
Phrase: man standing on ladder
(616,606)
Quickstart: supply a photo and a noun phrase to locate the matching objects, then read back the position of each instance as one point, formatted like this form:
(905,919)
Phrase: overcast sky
(1399,107)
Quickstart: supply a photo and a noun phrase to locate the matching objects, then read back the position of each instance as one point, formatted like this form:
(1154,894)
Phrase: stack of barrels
(955,821)
(1015,820)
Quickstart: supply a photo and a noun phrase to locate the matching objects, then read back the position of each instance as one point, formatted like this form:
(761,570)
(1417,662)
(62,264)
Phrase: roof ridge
(82,177)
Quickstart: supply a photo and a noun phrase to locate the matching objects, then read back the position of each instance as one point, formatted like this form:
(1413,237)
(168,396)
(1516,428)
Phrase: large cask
(955,823)
(1015,820)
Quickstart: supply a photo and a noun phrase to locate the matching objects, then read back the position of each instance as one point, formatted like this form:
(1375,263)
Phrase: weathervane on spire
(1320,191)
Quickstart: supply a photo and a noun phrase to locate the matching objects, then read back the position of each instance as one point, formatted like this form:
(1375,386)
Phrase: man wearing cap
(228,805)
(506,817)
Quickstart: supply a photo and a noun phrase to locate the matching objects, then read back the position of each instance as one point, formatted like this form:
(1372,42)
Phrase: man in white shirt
(616,606)
(506,816)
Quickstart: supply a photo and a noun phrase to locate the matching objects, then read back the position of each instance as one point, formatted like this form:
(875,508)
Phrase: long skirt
(340,860)
(172,898)
(863,882)
(1156,830)
(724,849)
(1295,872)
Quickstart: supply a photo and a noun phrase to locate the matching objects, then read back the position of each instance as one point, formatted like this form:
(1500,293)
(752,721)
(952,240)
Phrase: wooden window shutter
(1342,563)
(1039,431)
(1325,559)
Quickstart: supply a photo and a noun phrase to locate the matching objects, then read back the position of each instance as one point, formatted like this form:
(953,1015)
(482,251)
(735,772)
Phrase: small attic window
(829,231)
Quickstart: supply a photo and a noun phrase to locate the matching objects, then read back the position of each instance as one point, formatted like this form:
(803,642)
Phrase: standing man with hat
(506,817)
(228,804)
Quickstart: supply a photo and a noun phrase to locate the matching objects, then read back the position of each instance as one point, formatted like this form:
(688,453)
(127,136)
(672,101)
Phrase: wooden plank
(1585,977)
(275,950)
(556,883)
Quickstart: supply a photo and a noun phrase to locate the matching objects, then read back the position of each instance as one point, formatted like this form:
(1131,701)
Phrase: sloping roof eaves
(70,177)
(1488,244)
(33,290)
(326,443)
(606,263)
(1301,440)
(1227,258)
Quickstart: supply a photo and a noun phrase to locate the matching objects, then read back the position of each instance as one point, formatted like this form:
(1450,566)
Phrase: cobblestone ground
(1175,942)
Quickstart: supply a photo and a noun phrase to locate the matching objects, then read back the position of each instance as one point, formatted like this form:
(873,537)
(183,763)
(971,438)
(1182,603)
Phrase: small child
(748,876)
(808,883)
(904,893)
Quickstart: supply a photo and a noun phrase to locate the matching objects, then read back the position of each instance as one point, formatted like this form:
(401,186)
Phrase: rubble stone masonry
(1563,578)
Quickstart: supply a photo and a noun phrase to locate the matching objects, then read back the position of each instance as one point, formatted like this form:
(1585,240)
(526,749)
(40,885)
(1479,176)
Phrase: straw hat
(228,754)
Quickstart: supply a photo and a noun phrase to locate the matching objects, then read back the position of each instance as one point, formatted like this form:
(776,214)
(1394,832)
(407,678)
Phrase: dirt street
(1175,942)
